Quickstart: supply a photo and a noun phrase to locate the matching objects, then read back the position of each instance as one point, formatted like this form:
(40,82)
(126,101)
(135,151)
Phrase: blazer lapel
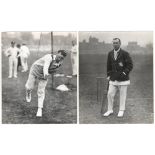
(113,56)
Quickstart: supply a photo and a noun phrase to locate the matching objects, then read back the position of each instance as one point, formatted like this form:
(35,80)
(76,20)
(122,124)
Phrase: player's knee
(110,94)
(27,88)
(41,92)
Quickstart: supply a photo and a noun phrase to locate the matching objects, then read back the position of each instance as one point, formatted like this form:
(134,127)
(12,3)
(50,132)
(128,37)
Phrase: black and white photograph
(116,77)
(61,62)
(39,77)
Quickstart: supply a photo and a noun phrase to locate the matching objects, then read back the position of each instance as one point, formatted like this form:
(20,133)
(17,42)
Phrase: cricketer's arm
(47,63)
(7,52)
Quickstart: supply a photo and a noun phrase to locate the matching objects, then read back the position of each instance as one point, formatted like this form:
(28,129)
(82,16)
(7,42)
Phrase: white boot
(121,113)
(9,76)
(108,113)
(39,112)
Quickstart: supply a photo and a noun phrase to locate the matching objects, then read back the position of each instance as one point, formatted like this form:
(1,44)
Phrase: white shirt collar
(54,57)
(117,50)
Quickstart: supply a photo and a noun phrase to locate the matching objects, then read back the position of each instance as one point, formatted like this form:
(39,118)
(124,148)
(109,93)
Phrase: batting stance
(119,65)
(41,69)
(12,53)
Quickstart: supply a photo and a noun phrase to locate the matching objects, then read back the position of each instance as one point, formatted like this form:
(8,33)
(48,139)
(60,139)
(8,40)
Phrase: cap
(12,42)
(63,52)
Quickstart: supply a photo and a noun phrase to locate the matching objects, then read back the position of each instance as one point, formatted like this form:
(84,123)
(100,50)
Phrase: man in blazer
(119,65)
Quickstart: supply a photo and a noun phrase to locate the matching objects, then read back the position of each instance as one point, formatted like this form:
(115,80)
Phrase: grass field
(139,104)
(59,107)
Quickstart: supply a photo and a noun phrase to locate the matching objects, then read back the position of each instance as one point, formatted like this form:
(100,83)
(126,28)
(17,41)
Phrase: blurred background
(39,43)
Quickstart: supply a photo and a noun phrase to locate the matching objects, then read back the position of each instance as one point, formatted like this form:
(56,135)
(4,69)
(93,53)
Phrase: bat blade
(104,99)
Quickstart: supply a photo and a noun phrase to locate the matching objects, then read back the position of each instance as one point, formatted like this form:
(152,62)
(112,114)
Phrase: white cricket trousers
(41,88)
(74,63)
(24,63)
(13,66)
(111,94)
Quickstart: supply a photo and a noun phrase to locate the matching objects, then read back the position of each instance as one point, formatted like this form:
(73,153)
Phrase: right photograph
(116,77)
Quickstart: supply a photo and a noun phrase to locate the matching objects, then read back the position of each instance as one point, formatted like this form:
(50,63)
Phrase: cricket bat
(104,99)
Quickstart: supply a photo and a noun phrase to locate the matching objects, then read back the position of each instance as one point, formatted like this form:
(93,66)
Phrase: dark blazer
(120,68)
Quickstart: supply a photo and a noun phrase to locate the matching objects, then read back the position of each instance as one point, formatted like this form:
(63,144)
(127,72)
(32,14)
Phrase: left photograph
(39,77)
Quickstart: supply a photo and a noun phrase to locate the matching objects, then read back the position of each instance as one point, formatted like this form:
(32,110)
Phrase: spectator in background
(12,54)
(74,58)
(24,54)
(19,59)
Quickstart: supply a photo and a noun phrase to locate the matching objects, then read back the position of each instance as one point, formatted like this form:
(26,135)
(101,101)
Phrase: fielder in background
(41,69)
(18,55)
(119,65)
(74,58)
(12,53)
(24,54)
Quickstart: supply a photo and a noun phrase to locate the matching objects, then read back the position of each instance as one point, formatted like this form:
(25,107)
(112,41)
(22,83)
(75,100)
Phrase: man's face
(116,44)
(12,45)
(59,58)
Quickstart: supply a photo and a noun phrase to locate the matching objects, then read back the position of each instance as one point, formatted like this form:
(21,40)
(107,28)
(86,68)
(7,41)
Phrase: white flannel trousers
(111,94)
(74,63)
(41,88)
(13,61)
(24,63)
